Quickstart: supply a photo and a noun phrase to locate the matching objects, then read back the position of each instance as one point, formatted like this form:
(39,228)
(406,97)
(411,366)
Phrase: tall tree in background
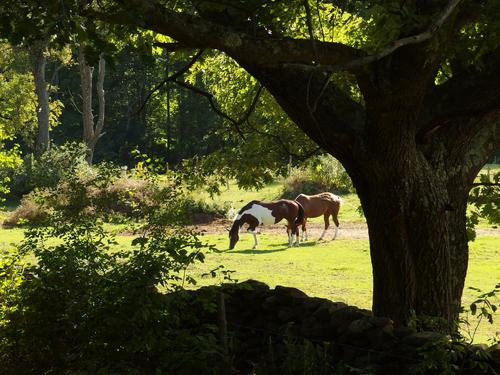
(91,131)
(37,53)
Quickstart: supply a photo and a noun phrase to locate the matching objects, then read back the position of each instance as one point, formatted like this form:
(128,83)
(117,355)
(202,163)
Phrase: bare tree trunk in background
(38,63)
(91,132)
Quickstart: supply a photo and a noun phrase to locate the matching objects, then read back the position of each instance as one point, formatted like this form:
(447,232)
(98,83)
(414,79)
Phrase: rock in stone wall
(261,320)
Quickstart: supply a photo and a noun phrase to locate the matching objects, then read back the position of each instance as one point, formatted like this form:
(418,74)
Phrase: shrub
(198,211)
(53,166)
(322,174)
(28,211)
(116,201)
(87,309)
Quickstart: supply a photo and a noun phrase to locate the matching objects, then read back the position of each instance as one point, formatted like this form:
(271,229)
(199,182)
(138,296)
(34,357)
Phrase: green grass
(238,198)
(339,270)
(10,237)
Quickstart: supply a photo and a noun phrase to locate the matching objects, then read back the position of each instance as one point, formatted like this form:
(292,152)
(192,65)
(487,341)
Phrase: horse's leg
(290,232)
(304,231)
(295,231)
(335,221)
(256,240)
(327,224)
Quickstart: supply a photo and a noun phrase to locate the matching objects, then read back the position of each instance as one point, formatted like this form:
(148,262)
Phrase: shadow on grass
(259,251)
(274,248)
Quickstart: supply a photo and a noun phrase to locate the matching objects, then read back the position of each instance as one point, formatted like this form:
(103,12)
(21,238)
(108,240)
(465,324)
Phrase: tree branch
(172,46)
(194,31)
(284,147)
(414,39)
(236,123)
(171,78)
(469,93)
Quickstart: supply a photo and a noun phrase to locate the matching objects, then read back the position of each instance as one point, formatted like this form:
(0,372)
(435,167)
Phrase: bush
(87,309)
(323,173)
(28,211)
(198,211)
(117,201)
(53,166)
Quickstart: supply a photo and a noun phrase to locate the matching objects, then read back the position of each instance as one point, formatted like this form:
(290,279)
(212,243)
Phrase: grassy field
(339,270)
(238,198)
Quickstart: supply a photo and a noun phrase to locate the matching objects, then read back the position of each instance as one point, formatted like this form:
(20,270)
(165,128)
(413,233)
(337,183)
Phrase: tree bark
(91,132)
(38,62)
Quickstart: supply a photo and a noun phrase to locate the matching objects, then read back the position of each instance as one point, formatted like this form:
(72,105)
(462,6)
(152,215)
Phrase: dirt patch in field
(347,230)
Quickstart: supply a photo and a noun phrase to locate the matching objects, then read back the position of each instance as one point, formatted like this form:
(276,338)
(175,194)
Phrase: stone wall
(267,326)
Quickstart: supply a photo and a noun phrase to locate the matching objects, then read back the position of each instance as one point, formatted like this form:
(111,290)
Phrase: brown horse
(258,213)
(325,204)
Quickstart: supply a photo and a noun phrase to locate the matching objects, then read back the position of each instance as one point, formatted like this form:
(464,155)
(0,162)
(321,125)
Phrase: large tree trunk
(38,62)
(91,132)
(413,192)
(412,224)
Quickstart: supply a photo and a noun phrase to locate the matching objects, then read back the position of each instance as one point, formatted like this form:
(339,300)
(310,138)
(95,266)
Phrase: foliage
(259,140)
(87,306)
(484,307)
(53,166)
(11,277)
(323,173)
(197,209)
(10,160)
(485,202)
(120,200)
(444,356)
(17,93)
(18,102)
(16,114)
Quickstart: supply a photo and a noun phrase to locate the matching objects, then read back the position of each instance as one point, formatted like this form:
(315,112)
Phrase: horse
(257,213)
(325,204)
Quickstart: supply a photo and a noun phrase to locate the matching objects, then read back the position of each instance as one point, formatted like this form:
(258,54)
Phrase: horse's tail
(300,215)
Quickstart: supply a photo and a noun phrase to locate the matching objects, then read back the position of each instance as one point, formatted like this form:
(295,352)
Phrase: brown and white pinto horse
(325,204)
(258,213)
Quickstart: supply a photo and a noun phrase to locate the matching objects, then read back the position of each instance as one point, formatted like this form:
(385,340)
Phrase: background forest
(214,116)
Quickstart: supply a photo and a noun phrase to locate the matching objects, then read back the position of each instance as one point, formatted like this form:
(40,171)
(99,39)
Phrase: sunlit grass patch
(339,270)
